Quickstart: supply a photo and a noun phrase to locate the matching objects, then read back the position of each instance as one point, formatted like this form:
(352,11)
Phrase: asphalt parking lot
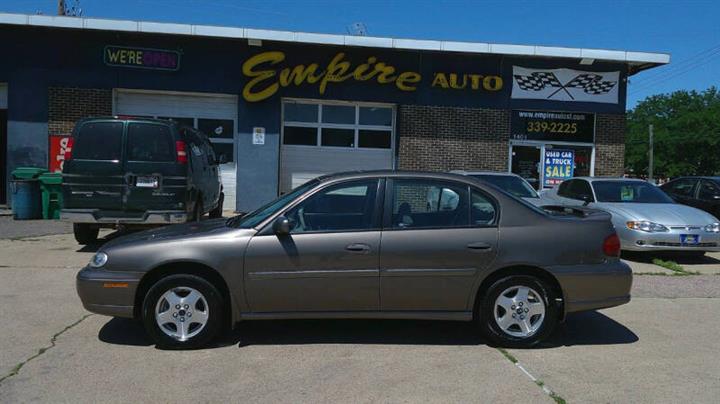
(662,347)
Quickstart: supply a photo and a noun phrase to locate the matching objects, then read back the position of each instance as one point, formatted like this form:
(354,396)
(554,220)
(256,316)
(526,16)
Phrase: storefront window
(338,137)
(297,112)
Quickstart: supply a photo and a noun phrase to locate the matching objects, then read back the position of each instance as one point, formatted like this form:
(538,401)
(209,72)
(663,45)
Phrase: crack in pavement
(547,390)
(41,351)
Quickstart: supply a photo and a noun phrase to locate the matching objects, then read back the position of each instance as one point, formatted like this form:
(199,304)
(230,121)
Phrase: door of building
(3,156)
(525,162)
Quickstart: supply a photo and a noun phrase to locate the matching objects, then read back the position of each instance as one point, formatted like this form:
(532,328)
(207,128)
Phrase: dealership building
(284,107)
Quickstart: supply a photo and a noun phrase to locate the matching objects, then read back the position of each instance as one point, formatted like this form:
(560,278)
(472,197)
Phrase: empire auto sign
(267,74)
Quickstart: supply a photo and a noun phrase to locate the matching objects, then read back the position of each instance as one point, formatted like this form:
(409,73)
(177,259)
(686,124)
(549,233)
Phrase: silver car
(644,217)
(508,182)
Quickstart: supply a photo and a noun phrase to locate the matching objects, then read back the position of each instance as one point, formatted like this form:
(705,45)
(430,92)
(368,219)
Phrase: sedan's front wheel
(182,311)
(518,311)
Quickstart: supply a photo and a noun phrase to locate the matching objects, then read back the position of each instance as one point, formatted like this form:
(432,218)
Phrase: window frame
(389,201)
(319,125)
(377,213)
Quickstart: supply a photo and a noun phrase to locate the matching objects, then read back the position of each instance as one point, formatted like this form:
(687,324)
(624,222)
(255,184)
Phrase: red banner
(58,144)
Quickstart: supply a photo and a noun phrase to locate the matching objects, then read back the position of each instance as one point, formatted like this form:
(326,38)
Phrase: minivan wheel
(218,211)
(182,311)
(85,233)
(518,311)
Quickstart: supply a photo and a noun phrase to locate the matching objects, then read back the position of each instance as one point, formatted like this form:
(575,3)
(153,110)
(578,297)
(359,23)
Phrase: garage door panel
(303,163)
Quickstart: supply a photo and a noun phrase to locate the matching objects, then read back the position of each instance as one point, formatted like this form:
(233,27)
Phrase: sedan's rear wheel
(518,311)
(182,311)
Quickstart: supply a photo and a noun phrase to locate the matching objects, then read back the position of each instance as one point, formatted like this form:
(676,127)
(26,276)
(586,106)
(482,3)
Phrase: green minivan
(137,172)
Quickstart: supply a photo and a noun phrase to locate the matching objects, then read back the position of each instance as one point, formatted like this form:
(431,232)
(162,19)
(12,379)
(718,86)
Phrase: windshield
(629,192)
(253,218)
(510,183)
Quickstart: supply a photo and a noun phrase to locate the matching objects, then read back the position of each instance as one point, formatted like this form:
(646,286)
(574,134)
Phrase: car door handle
(479,245)
(358,248)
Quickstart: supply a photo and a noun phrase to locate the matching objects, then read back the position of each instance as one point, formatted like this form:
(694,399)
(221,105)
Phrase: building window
(346,125)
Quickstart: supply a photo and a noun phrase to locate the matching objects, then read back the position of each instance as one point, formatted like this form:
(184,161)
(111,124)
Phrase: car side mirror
(222,159)
(281,226)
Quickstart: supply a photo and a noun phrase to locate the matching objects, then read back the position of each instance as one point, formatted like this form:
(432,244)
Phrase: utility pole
(650,155)
(61,7)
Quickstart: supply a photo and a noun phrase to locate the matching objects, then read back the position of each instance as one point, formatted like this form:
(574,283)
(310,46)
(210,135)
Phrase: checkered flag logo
(537,81)
(590,83)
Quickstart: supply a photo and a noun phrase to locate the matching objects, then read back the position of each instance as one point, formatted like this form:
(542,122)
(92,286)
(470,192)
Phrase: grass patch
(671,265)
(508,355)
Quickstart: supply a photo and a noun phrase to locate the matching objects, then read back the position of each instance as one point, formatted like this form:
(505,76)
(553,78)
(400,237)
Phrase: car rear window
(150,142)
(98,141)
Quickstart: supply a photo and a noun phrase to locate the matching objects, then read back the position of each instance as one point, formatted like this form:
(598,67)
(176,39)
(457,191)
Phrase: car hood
(179,231)
(669,214)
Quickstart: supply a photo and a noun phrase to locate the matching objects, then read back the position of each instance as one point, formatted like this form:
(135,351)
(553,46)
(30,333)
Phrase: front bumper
(594,286)
(148,217)
(633,240)
(107,292)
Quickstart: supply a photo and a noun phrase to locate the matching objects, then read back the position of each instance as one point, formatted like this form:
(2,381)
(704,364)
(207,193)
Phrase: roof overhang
(636,61)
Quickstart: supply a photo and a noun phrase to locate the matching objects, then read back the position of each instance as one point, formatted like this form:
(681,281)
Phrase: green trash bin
(27,173)
(52,199)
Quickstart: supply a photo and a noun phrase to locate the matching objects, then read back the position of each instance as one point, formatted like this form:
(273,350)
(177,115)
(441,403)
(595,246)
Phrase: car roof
(128,118)
(697,177)
(593,179)
(394,173)
(496,173)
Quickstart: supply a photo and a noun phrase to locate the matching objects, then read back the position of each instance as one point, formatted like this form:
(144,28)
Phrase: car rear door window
(99,141)
(564,189)
(429,204)
(708,191)
(349,206)
(150,142)
(580,189)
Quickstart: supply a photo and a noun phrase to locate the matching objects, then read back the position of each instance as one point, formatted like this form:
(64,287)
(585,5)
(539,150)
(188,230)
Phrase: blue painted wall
(38,58)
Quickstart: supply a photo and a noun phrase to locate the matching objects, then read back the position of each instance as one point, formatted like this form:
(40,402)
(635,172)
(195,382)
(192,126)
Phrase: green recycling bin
(27,173)
(52,199)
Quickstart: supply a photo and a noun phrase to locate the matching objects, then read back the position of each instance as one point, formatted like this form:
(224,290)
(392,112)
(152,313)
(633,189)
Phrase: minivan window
(98,141)
(150,142)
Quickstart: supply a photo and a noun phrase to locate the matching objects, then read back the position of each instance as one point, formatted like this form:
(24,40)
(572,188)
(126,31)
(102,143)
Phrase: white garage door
(320,137)
(213,114)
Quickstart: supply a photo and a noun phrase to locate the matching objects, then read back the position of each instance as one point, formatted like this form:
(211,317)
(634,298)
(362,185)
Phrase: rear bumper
(592,287)
(108,293)
(148,217)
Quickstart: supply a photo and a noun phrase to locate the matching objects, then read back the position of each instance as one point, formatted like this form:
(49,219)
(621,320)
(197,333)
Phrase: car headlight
(713,228)
(644,225)
(98,260)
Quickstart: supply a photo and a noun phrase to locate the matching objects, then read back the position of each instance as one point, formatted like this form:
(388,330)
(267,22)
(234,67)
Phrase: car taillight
(68,149)
(181,152)
(611,245)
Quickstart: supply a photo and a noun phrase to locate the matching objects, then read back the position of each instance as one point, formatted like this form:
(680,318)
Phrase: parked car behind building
(509,182)
(699,192)
(645,218)
(137,172)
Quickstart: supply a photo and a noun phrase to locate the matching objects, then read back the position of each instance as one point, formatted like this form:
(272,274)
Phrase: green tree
(686,132)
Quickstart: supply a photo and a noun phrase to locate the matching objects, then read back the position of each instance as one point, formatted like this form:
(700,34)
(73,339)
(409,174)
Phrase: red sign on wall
(58,144)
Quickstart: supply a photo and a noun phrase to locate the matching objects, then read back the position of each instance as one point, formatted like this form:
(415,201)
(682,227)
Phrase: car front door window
(345,207)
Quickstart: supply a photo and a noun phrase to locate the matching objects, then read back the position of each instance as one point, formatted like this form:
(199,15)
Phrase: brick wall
(609,145)
(68,105)
(450,138)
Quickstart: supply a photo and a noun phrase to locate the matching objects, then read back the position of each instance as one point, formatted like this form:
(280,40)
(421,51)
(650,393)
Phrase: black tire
(206,334)
(493,331)
(85,233)
(218,211)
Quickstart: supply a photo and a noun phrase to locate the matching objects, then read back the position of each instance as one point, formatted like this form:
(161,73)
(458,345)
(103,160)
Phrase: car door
(155,179)
(93,177)
(708,197)
(328,262)
(437,237)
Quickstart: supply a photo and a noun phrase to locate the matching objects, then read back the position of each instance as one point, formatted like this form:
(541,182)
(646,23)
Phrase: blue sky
(688,30)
